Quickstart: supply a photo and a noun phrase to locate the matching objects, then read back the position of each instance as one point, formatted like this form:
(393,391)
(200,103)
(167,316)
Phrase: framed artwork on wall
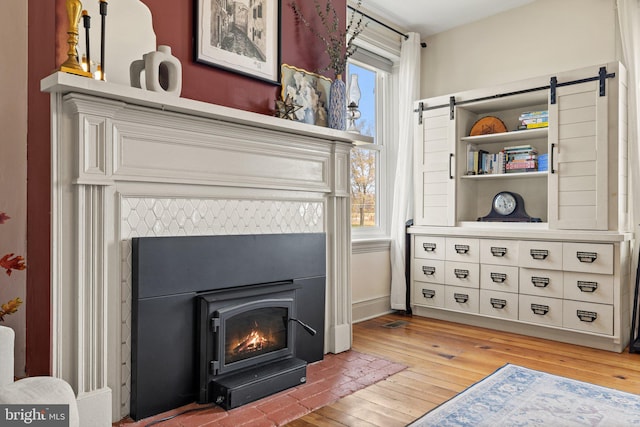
(309,91)
(242,36)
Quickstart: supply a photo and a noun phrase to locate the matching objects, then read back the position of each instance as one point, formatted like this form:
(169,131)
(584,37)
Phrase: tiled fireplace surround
(129,163)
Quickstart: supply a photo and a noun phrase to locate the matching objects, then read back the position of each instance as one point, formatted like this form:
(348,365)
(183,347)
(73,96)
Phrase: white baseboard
(368,309)
(94,408)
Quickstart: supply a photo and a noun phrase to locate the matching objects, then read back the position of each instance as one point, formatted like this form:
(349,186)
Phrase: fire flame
(255,341)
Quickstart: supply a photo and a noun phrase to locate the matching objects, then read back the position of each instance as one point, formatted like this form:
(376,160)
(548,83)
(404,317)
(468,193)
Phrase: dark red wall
(173,25)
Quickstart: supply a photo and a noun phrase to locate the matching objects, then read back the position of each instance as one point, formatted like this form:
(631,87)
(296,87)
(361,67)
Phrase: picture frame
(243,37)
(309,91)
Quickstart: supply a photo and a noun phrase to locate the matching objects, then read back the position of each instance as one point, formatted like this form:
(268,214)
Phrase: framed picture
(241,36)
(309,91)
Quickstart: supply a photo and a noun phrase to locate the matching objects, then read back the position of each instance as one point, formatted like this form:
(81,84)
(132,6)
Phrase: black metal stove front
(247,342)
(233,282)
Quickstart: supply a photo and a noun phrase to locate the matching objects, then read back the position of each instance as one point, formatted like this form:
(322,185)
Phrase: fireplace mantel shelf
(60,82)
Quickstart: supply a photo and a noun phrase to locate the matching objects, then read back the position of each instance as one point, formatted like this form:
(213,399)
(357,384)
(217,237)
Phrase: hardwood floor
(444,358)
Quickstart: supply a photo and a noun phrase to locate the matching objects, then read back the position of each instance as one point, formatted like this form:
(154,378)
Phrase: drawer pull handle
(540,282)
(539,254)
(587,286)
(429,247)
(428,271)
(587,257)
(461,274)
(499,252)
(428,293)
(461,298)
(498,303)
(498,277)
(539,309)
(587,316)
(462,249)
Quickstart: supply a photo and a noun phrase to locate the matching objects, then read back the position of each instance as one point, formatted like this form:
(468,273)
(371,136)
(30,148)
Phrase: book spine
(523,157)
(522,170)
(530,114)
(522,164)
(537,125)
(518,148)
(530,121)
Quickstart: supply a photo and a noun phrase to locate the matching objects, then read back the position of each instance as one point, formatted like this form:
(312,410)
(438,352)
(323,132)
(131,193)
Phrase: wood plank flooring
(444,358)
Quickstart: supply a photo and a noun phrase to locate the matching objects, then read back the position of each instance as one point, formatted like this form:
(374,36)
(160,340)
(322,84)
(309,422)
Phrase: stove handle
(305,326)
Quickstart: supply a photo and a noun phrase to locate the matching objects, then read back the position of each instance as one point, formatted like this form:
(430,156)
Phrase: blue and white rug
(517,396)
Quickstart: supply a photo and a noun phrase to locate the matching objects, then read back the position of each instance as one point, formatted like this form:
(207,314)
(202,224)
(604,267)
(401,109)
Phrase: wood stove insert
(247,343)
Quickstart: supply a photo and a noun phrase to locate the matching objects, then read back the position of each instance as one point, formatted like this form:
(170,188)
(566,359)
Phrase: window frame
(384,125)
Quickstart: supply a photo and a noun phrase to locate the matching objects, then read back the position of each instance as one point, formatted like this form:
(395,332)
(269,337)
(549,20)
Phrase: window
(368,162)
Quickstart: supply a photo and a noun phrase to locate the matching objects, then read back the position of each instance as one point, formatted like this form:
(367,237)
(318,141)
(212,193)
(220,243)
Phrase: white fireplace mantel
(127,162)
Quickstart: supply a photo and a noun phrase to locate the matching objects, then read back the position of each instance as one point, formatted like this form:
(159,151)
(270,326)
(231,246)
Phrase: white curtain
(402,210)
(629,19)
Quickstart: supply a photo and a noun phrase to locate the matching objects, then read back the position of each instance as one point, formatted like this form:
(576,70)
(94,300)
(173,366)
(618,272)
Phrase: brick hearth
(337,376)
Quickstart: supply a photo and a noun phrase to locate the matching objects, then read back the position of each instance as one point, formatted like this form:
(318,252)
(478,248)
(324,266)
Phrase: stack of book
(517,158)
(533,119)
(481,162)
(520,158)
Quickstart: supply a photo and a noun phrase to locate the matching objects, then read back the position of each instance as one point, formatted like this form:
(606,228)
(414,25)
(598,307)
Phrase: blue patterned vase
(338,104)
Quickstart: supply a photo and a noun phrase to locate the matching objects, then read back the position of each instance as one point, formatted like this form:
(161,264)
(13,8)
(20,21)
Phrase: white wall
(546,36)
(370,280)
(13,160)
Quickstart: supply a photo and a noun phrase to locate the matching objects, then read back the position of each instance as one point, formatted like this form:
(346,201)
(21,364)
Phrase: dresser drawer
(544,283)
(544,255)
(547,311)
(500,252)
(499,304)
(596,288)
(462,274)
(590,317)
(462,299)
(428,270)
(462,249)
(429,247)
(428,294)
(588,257)
(499,278)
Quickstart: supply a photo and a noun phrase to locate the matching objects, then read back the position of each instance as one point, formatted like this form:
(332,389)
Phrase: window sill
(365,246)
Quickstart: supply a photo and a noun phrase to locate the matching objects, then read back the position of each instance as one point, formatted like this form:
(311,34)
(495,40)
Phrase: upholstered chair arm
(7,338)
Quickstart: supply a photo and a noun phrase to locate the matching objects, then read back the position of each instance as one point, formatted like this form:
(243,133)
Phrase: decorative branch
(9,307)
(339,44)
(10,262)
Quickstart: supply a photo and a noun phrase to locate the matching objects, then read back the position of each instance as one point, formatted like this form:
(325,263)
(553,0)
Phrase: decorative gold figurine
(71,65)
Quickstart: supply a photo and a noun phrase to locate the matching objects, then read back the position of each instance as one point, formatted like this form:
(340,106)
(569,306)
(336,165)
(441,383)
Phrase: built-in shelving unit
(565,277)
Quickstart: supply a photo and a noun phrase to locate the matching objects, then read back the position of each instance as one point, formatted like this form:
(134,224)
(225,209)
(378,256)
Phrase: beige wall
(370,281)
(13,159)
(546,36)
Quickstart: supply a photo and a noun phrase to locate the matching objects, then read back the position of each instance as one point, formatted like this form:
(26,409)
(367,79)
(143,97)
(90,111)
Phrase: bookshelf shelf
(515,175)
(507,137)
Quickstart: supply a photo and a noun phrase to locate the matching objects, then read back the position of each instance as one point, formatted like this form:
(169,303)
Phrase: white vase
(162,70)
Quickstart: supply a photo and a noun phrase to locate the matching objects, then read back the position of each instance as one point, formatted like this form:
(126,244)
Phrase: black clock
(508,207)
